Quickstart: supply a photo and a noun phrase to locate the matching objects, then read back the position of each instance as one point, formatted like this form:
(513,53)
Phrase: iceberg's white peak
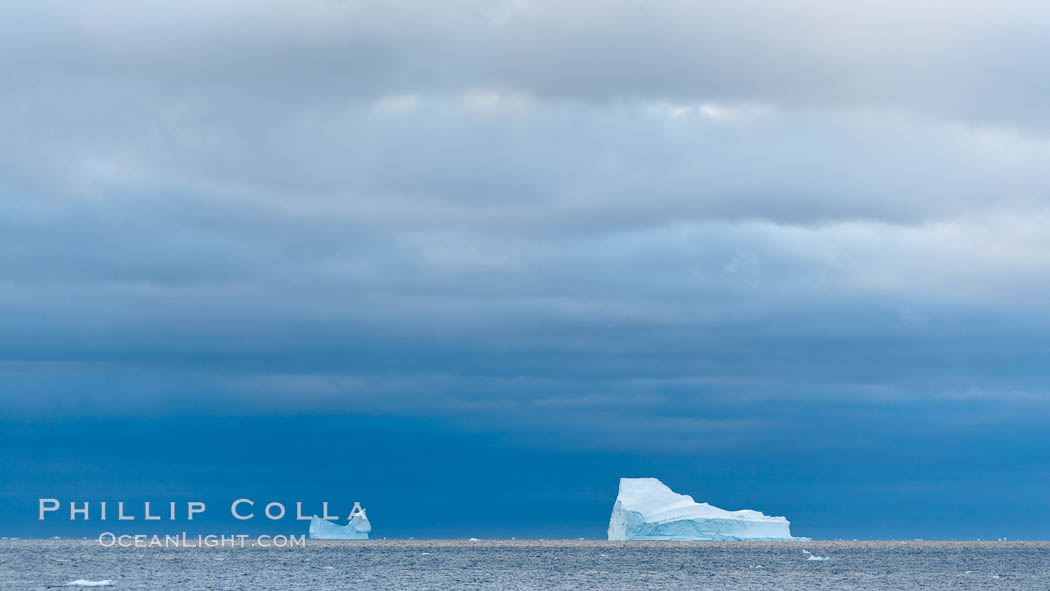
(655,501)
(646,509)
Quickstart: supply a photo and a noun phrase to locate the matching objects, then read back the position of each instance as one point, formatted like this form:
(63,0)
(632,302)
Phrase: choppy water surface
(377,564)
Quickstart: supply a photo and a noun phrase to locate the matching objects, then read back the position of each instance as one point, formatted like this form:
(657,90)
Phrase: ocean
(533,564)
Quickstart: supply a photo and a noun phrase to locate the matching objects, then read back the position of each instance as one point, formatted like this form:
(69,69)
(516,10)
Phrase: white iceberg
(646,509)
(356,529)
(87,583)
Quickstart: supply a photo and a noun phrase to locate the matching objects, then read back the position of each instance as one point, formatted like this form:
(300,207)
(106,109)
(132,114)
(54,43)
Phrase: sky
(471,263)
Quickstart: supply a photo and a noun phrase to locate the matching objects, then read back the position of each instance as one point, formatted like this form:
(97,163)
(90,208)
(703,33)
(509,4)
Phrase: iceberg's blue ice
(646,509)
(356,529)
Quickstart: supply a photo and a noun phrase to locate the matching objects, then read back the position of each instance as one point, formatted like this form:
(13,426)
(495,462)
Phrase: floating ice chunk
(646,509)
(473,540)
(87,583)
(811,556)
(356,529)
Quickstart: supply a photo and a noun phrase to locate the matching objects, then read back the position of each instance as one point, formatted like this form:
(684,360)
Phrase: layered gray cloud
(957,60)
(614,215)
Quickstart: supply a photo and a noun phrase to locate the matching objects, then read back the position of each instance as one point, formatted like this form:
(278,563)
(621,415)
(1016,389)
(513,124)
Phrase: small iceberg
(646,509)
(87,583)
(356,529)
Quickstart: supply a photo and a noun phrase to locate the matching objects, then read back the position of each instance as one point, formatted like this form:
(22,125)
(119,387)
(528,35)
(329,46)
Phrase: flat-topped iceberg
(356,529)
(646,509)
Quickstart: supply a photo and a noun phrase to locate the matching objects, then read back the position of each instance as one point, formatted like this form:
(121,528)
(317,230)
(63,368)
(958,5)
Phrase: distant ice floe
(811,556)
(646,509)
(87,583)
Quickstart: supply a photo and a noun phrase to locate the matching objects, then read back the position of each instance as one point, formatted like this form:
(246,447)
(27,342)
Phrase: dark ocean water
(380,564)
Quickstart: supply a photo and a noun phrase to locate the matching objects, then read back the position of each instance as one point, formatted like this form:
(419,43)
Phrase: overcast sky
(784,254)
